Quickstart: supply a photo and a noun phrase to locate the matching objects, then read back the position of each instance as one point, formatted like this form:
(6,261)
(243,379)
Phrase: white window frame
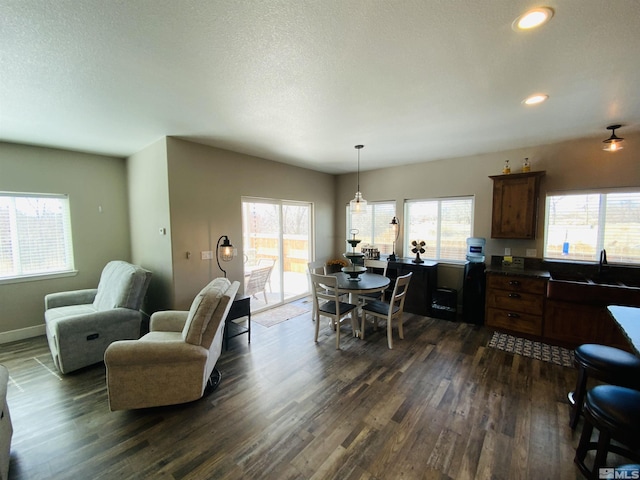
(16,236)
(369,239)
(430,253)
(600,236)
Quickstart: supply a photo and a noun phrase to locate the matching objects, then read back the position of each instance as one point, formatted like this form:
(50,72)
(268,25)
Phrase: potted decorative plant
(335,265)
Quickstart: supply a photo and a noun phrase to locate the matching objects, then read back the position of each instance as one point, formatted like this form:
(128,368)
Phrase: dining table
(365,283)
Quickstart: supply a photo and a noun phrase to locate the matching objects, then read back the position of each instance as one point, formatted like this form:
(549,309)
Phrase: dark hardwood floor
(439,405)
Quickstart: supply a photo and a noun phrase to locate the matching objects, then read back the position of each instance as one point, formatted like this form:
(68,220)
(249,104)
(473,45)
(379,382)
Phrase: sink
(605,281)
(592,290)
(578,278)
(569,277)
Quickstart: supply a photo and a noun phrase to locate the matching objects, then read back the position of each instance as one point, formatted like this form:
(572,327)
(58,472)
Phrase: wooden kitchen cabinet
(573,324)
(515,303)
(515,205)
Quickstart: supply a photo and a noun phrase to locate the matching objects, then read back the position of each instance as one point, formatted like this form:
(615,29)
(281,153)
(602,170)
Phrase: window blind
(35,234)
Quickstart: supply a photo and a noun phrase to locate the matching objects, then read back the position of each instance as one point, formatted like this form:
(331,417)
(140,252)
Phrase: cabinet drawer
(516,301)
(517,284)
(514,321)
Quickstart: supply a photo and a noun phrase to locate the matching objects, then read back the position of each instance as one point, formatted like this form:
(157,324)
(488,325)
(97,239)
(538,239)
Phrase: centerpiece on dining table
(357,259)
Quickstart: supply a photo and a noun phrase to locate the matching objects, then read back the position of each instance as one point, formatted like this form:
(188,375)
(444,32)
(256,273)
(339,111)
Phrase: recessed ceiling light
(533,18)
(535,99)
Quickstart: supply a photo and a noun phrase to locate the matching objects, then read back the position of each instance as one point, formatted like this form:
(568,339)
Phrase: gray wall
(195,191)
(206,186)
(90,181)
(574,165)
(148,186)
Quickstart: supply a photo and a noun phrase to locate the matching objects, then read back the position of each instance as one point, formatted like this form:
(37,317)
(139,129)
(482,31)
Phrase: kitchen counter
(526,272)
(628,319)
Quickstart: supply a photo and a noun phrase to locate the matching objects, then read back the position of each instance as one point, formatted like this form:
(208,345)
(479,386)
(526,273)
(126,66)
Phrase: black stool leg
(578,397)
(583,448)
(601,454)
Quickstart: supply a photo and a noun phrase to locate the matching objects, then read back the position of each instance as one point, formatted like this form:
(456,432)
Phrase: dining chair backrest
(325,289)
(400,290)
(388,311)
(370,264)
(317,267)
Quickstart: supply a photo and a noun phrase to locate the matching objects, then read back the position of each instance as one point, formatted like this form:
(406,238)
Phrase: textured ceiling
(303,81)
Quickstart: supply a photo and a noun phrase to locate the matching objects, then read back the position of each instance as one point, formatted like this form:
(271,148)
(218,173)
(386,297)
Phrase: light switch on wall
(507,252)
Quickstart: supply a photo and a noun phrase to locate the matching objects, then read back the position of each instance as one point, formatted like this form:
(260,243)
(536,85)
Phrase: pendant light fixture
(613,143)
(358,204)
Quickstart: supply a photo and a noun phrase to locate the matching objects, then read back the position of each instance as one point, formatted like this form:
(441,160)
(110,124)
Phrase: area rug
(277,315)
(529,348)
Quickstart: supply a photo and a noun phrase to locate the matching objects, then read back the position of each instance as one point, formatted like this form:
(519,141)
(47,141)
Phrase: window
(35,235)
(374,226)
(443,224)
(579,225)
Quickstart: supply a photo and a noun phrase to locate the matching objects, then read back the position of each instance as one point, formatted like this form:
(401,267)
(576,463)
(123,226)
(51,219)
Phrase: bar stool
(608,364)
(615,412)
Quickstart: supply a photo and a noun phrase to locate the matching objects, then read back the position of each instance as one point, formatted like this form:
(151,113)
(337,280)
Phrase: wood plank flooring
(439,405)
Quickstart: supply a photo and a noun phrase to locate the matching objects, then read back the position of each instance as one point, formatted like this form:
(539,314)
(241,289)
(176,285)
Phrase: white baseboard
(21,334)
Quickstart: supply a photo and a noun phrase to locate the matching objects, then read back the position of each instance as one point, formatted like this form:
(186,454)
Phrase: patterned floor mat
(529,348)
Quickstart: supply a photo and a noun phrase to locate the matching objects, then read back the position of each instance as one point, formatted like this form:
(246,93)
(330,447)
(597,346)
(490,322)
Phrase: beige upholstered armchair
(81,324)
(175,362)
(6,429)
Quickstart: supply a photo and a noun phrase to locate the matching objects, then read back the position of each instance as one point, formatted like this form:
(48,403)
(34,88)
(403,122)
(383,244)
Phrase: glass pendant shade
(613,143)
(358,204)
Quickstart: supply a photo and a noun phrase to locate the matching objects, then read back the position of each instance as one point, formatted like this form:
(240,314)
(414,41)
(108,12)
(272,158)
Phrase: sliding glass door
(277,245)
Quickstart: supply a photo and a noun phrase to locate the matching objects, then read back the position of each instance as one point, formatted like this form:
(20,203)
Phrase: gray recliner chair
(175,362)
(81,324)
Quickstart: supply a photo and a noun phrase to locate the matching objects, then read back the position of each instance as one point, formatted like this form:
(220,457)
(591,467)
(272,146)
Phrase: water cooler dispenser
(474,282)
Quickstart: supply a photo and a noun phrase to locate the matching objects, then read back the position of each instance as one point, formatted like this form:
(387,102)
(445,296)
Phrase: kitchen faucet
(603,260)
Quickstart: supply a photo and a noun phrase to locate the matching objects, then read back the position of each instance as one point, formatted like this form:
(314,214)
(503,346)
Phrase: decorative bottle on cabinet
(526,167)
(506,169)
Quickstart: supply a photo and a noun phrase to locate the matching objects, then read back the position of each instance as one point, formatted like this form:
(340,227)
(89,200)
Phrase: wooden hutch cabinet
(515,205)
(424,280)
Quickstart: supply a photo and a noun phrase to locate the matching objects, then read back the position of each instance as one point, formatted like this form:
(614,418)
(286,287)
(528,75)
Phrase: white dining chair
(374,266)
(326,303)
(388,311)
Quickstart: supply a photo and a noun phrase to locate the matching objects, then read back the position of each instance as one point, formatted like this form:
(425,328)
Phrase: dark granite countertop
(532,268)
(526,272)
(628,319)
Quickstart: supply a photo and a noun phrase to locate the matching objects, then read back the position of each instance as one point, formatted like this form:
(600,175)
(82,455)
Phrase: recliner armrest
(72,297)
(168,321)
(94,321)
(130,353)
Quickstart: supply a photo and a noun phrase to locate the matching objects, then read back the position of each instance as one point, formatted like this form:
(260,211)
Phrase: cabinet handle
(514,295)
(515,283)
(513,315)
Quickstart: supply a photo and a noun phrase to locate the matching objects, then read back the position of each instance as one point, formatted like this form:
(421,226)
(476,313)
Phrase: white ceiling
(303,81)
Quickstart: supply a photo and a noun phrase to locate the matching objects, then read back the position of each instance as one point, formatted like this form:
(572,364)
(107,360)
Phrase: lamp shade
(358,204)
(224,251)
(613,143)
